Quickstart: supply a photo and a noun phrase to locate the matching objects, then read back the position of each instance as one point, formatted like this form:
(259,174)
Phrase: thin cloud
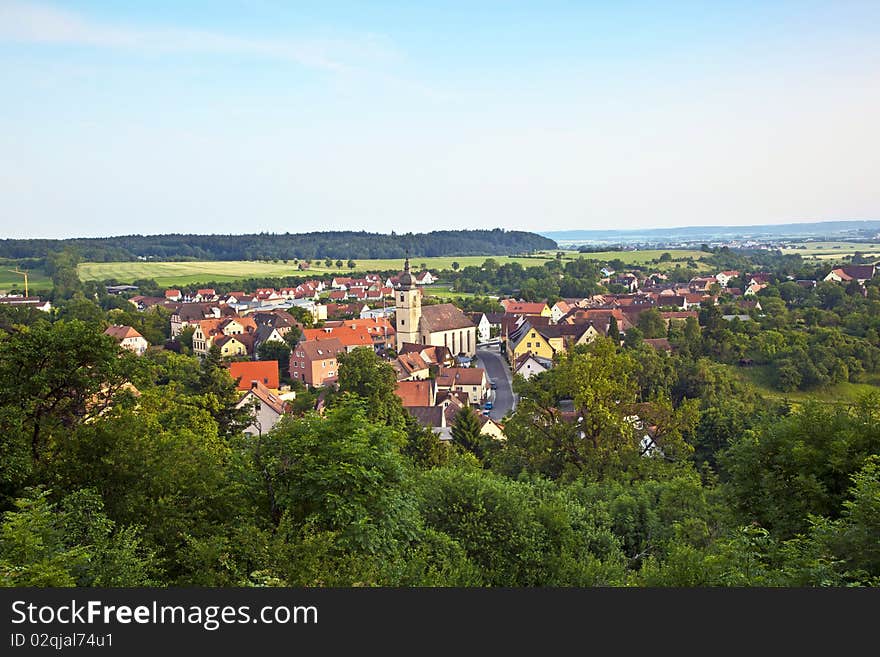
(43,24)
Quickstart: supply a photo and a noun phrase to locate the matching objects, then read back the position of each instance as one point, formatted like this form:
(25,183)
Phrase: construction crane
(23,273)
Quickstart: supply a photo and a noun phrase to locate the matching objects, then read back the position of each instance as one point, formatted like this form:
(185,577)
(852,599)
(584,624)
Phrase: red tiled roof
(264,371)
(415,393)
(120,332)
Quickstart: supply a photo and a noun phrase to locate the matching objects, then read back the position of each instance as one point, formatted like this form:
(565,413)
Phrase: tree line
(303,246)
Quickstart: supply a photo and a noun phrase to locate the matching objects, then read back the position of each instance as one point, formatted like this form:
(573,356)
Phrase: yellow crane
(23,273)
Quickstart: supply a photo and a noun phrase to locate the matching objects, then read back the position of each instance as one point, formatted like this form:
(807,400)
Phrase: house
(860,273)
(528,365)
(173,295)
(189,314)
(411,367)
(425,278)
(490,428)
(431,354)
(314,362)
(514,307)
(281,320)
(629,281)
(484,327)
(128,338)
(266,333)
(205,295)
(233,346)
(142,302)
(487,324)
(753,289)
(417,393)
(442,324)
(245,372)
(724,277)
(267,408)
(559,310)
(373,313)
(528,340)
(351,336)
(470,380)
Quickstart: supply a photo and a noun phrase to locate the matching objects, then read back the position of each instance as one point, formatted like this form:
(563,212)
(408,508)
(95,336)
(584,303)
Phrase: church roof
(443,317)
(405,280)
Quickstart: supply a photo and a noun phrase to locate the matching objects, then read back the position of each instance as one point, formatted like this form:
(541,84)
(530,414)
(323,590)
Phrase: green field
(37,280)
(187,273)
(832,250)
(761,378)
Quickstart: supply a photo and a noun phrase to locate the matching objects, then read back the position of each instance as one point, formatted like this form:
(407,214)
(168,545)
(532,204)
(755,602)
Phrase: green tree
(342,473)
(76,544)
(613,330)
(351,264)
(466,431)
(278,351)
(363,373)
(652,324)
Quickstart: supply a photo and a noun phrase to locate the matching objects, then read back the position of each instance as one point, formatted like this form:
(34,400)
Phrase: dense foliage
(329,244)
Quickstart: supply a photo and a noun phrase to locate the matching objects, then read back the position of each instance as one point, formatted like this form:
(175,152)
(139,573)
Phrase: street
(496,369)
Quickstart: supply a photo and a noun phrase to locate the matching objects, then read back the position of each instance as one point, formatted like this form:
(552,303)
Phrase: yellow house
(527,340)
(230,346)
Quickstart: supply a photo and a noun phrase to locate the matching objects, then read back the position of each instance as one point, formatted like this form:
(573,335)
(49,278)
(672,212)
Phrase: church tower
(408,308)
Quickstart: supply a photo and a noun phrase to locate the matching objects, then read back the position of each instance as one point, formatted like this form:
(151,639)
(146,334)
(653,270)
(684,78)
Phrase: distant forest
(263,246)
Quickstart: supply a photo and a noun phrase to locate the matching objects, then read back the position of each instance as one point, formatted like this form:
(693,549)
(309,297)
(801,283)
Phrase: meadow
(187,273)
(37,280)
(845,392)
(832,250)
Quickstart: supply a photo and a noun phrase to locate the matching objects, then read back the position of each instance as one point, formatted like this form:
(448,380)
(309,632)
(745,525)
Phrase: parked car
(493,385)
(487,405)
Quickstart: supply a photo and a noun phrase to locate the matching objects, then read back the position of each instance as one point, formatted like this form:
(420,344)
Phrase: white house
(128,338)
(484,328)
(528,365)
(267,408)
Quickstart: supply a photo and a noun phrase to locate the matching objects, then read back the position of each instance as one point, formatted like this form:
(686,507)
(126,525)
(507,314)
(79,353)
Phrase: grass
(188,273)
(761,376)
(833,250)
(37,280)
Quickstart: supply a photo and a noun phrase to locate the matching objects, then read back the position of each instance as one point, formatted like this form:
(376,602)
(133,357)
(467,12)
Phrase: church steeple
(406,279)
(409,310)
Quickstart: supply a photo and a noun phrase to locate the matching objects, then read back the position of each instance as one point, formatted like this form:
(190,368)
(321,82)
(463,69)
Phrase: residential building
(128,338)
(470,380)
(267,408)
(529,365)
(314,362)
(417,393)
(860,273)
(246,372)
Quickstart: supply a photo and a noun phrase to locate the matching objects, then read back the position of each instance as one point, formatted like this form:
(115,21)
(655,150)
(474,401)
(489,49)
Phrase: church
(442,325)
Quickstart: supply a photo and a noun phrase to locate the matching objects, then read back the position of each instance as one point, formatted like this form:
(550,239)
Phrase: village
(445,358)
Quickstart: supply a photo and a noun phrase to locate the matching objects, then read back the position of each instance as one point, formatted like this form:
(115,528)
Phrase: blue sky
(233,117)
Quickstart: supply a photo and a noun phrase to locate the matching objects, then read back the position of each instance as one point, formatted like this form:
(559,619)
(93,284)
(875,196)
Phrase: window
(401,298)
(402,322)
(323,363)
(296,375)
(529,345)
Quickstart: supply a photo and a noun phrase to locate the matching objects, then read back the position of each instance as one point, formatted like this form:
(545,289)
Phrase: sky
(238,117)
